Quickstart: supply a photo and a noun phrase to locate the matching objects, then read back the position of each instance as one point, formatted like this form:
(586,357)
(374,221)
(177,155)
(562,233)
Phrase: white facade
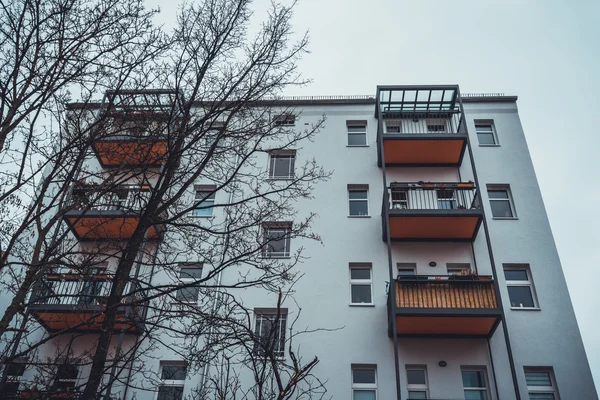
(544,338)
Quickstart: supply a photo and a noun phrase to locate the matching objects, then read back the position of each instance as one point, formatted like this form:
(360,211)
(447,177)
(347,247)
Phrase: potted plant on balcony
(468,184)
(465,275)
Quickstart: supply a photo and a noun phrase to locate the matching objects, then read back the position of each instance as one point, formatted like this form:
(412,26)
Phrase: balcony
(446,306)
(420,126)
(429,211)
(132,139)
(75,302)
(95,213)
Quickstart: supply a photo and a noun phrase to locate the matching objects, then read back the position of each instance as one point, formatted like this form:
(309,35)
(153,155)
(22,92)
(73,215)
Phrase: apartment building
(436,276)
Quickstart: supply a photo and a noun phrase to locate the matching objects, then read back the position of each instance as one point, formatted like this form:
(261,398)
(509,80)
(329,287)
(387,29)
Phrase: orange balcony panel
(423,151)
(101,228)
(445,326)
(121,152)
(79,321)
(432,227)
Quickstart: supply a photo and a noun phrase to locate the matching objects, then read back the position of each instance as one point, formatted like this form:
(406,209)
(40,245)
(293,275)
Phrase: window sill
(277,257)
(361,305)
(203,216)
(526,308)
(359,216)
(358,145)
(281,179)
(506,218)
(489,145)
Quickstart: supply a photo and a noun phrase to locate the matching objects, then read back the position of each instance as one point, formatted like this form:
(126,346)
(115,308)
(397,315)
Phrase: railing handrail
(432,185)
(443,278)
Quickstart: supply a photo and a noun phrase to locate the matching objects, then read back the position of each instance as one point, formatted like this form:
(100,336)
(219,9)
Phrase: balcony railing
(119,198)
(452,125)
(432,196)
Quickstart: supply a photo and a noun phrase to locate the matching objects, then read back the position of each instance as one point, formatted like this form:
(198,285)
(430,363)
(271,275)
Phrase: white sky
(544,51)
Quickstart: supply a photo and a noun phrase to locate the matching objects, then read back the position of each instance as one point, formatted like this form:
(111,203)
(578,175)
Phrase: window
(446,199)
(284,120)
(399,200)
(172,374)
(358,199)
(215,133)
(204,200)
(361,284)
(486,134)
(501,202)
(357,133)
(364,382)
(475,384)
(436,128)
(393,126)
(270,332)
(541,384)
(14,371)
(407,269)
(520,286)
(66,377)
(416,378)
(189,273)
(276,239)
(281,165)
(458,268)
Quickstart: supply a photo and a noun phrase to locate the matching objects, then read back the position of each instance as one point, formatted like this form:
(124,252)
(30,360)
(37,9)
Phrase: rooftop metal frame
(407,100)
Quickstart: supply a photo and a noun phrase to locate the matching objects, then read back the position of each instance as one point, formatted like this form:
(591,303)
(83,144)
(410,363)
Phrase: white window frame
(485,377)
(528,283)
(171,382)
(417,387)
(199,194)
(543,389)
(489,123)
(261,315)
(400,202)
(285,228)
(436,123)
(357,124)
(359,188)
(361,282)
(291,166)
(372,387)
(186,280)
(406,267)
(395,124)
(505,188)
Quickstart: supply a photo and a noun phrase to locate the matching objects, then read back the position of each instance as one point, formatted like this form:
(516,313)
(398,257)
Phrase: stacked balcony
(98,213)
(446,306)
(430,211)
(77,303)
(420,126)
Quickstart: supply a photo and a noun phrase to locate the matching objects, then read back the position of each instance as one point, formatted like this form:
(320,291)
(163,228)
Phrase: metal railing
(445,291)
(432,196)
(482,94)
(118,198)
(424,125)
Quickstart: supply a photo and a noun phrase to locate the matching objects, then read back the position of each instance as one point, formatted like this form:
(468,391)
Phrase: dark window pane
(282,166)
(406,272)
(357,129)
(540,378)
(363,376)
(190,272)
(357,139)
(520,296)
(170,393)
(473,379)
(486,138)
(361,294)
(416,395)
(363,395)
(357,194)
(501,208)
(187,294)
(173,372)
(483,128)
(497,194)
(541,396)
(9,389)
(15,369)
(476,395)
(67,371)
(515,275)
(359,208)
(436,128)
(360,273)
(415,376)
(278,242)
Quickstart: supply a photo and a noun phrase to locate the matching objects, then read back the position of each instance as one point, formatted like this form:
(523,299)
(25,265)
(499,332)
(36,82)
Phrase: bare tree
(212,118)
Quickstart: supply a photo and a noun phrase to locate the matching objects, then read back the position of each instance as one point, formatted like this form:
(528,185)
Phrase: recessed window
(486,134)
(361,284)
(399,200)
(189,273)
(416,378)
(458,268)
(14,372)
(446,199)
(284,120)
(501,201)
(172,375)
(393,126)
(270,329)
(358,200)
(204,200)
(475,384)
(276,236)
(66,377)
(541,384)
(435,128)
(357,133)
(216,133)
(406,269)
(281,165)
(520,286)
(364,382)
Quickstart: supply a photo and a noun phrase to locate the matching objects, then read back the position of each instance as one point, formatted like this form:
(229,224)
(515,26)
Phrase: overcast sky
(547,52)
